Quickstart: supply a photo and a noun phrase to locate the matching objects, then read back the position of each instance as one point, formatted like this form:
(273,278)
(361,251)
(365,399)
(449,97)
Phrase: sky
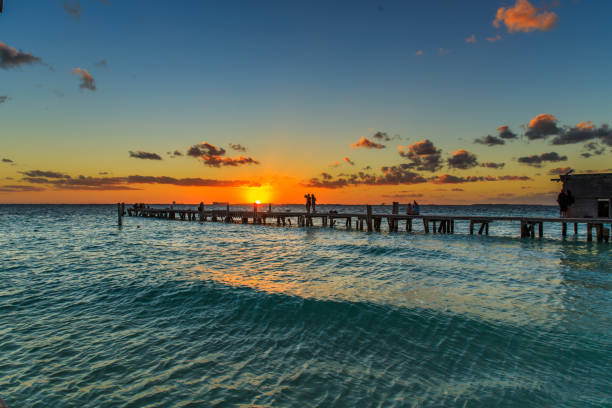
(443,102)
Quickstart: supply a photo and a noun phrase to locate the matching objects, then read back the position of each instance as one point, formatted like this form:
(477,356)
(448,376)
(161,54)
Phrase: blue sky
(287,77)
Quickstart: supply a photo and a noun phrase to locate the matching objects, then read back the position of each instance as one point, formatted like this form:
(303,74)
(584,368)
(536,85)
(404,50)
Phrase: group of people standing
(565,200)
(311,202)
(413,209)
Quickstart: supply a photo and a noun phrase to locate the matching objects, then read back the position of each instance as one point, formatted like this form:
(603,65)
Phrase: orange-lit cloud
(418,53)
(423,156)
(494,38)
(214,156)
(87,81)
(523,16)
(349,161)
(542,126)
(12,58)
(537,160)
(367,143)
(471,39)
(462,159)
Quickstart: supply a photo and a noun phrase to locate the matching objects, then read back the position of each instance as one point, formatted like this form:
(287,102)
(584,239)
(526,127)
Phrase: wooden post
(369,217)
(471,227)
(482,225)
(409,225)
(201,211)
(119,215)
(487,228)
(395,210)
(575,228)
(426,225)
(564,229)
(254,213)
(540,229)
(227,213)
(589,232)
(599,229)
(523,229)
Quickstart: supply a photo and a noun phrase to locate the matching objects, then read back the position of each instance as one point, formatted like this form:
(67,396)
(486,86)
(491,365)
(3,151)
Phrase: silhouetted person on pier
(415,208)
(409,210)
(562,199)
(308,202)
(570,200)
(314,203)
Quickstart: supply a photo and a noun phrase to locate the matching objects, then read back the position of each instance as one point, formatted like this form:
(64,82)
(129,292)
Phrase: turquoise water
(177,314)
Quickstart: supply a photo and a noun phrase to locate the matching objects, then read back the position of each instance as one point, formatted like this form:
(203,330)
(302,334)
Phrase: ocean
(160,313)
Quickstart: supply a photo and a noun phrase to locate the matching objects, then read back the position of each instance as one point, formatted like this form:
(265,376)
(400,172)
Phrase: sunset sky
(356,101)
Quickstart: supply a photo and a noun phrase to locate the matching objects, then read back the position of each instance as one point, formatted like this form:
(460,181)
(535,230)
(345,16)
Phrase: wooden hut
(592,194)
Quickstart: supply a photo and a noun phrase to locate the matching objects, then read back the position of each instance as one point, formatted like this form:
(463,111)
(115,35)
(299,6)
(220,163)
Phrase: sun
(258,195)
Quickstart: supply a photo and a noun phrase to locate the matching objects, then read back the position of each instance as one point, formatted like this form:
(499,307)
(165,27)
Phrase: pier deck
(442,224)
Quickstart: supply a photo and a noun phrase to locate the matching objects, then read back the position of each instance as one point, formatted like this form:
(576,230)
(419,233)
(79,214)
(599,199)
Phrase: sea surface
(160,313)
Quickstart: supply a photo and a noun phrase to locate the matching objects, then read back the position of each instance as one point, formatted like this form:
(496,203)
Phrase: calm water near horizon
(186,314)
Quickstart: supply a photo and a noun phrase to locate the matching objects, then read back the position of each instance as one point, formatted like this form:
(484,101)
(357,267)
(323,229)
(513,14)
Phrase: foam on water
(161,313)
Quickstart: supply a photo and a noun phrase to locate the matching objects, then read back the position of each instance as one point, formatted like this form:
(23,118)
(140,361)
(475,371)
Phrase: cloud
(403,195)
(174,154)
(542,126)
(125,183)
(335,163)
(491,165)
(494,38)
(536,161)
(583,132)
(506,133)
(443,51)
(418,53)
(12,58)
(423,156)
(101,64)
(367,143)
(349,161)
(20,189)
(87,81)
(145,155)
(462,159)
(46,174)
(390,175)
(383,136)
(238,147)
(5,160)
(450,179)
(594,149)
(525,17)
(559,170)
(73,8)
(471,39)
(3,98)
(214,156)
(490,140)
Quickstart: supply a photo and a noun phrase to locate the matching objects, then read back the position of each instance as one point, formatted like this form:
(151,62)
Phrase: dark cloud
(542,126)
(423,156)
(3,98)
(205,149)
(506,133)
(403,195)
(559,170)
(174,154)
(19,188)
(5,160)
(582,132)
(87,81)
(214,156)
(326,176)
(384,136)
(73,8)
(123,183)
(593,149)
(12,58)
(367,143)
(462,159)
(46,174)
(537,160)
(491,165)
(367,168)
(237,147)
(490,140)
(145,155)
(450,179)
(390,175)
(101,64)
(349,161)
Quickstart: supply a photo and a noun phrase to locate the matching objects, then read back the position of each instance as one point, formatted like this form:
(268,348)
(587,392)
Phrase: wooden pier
(371,222)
